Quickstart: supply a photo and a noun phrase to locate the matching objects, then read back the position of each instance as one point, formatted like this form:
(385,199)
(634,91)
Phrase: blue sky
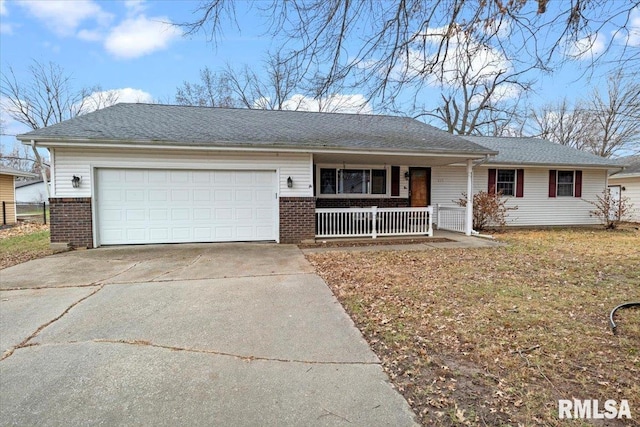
(131,47)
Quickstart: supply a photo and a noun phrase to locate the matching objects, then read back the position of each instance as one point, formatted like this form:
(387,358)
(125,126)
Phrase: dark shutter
(520,183)
(395,180)
(552,183)
(578,189)
(491,188)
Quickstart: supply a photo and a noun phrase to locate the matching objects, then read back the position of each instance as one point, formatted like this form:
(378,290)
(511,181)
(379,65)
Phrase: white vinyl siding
(70,161)
(632,191)
(535,208)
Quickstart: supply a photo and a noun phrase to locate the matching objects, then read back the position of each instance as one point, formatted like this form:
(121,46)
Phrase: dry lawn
(22,243)
(496,336)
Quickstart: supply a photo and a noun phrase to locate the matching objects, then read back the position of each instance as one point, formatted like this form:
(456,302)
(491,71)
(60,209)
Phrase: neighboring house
(627,184)
(138,173)
(31,192)
(7,193)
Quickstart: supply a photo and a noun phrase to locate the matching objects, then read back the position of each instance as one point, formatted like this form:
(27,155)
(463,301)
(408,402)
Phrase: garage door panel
(134,196)
(156,177)
(157,195)
(181,214)
(202,195)
(159,234)
(152,206)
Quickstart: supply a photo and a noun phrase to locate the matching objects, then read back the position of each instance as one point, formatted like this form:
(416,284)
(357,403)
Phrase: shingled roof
(158,125)
(5,170)
(631,167)
(538,152)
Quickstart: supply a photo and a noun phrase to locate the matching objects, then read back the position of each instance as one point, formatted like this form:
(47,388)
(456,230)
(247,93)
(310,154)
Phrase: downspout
(43,172)
(468,224)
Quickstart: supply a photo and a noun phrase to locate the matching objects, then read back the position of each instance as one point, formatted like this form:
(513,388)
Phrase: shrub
(610,211)
(489,209)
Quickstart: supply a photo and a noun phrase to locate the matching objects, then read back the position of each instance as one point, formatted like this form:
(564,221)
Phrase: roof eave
(610,166)
(625,175)
(233,146)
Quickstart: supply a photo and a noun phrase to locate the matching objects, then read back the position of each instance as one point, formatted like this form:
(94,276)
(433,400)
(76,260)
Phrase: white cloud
(3,8)
(135,7)
(587,47)
(106,98)
(64,17)
(463,54)
(336,103)
(140,36)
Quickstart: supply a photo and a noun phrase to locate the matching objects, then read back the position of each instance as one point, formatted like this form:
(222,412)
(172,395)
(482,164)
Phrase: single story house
(627,184)
(8,193)
(140,173)
(32,191)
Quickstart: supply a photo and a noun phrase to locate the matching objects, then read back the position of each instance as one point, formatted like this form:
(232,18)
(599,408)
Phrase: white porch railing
(450,218)
(374,222)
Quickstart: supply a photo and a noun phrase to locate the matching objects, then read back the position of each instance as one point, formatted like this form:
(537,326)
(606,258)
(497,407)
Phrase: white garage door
(179,206)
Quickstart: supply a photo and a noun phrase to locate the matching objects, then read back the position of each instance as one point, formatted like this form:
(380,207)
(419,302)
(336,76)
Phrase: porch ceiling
(390,159)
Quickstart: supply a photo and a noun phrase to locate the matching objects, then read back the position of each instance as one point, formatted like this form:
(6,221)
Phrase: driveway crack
(145,343)
(97,282)
(196,259)
(25,342)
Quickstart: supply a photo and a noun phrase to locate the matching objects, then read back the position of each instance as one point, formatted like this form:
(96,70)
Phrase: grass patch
(23,243)
(496,336)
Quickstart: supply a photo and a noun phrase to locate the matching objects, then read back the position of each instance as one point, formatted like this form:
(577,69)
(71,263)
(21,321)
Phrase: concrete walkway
(454,240)
(227,334)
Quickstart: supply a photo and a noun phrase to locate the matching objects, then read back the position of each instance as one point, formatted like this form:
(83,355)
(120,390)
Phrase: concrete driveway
(223,334)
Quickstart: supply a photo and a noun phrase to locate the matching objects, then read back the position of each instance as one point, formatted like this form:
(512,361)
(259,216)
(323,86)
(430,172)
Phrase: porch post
(468,224)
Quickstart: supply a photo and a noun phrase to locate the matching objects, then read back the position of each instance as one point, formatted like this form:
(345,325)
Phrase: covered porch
(372,196)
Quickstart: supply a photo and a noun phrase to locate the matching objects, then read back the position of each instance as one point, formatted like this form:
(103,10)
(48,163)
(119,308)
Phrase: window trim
(573,183)
(320,166)
(515,182)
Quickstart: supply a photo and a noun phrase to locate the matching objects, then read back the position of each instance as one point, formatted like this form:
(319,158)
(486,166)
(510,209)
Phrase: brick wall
(71,221)
(297,219)
(362,203)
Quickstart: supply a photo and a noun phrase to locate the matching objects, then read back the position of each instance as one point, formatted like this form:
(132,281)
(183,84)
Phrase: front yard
(22,243)
(496,336)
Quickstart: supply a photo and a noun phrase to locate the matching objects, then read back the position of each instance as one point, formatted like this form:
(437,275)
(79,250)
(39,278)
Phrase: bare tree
(44,97)
(374,41)
(480,91)
(272,92)
(603,124)
(617,115)
(563,124)
(278,87)
(213,90)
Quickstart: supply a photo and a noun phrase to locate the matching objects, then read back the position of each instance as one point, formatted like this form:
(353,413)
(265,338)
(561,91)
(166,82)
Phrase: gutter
(275,148)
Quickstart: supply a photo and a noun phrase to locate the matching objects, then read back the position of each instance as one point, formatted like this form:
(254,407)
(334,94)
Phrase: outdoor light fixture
(406,175)
(75,181)
(289,182)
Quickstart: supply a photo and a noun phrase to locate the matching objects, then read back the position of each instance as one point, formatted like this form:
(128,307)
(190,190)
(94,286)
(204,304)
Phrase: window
(565,183)
(353,181)
(506,182)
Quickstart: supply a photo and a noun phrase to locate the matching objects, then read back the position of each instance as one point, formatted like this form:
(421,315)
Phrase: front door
(419,187)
